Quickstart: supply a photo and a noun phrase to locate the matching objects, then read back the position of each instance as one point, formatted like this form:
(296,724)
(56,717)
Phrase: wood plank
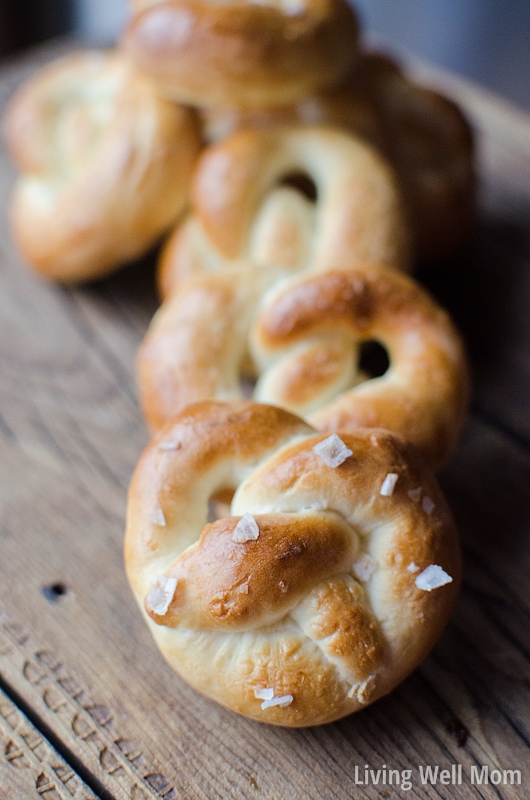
(74,646)
(29,766)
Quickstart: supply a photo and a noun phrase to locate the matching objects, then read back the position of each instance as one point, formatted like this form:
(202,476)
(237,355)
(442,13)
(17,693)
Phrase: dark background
(487,41)
(26,22)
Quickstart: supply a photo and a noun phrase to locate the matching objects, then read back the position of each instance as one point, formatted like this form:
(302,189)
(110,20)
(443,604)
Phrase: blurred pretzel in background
(239,54)
(105,165)
(423,134)
(312,198)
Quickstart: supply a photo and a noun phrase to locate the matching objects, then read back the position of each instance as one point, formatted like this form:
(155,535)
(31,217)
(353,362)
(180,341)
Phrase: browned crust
(242,54)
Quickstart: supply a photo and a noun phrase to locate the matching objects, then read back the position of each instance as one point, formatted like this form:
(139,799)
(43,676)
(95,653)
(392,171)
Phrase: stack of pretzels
(286,540)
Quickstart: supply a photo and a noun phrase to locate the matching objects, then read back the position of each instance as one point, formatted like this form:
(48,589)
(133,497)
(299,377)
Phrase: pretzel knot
(328,582)
(303,339)
(242,54)
(305,198)
(106,165)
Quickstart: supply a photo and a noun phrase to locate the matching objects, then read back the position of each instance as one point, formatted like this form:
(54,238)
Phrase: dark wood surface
(88,708)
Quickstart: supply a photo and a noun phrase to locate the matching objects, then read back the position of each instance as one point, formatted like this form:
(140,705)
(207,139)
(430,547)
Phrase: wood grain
(29,765)
(72,643)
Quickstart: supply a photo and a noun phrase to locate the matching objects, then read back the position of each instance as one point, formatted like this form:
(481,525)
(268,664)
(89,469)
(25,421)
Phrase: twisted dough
(316,595)
(242,54)
(423,134)
(301,336)
(106,165)
(246,212)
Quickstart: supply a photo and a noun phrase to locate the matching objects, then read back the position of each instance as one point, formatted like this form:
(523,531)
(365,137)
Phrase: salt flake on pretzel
(281,627)
(106,165)
(242,54)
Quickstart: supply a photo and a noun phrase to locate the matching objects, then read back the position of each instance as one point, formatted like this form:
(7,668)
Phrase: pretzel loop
(306,338)
(244,214)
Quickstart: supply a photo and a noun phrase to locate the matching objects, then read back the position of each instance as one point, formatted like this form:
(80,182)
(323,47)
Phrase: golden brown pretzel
(106,165)
(306,339)
(301,336)
(244,214)
(330,580)
(424,135)
(243,54)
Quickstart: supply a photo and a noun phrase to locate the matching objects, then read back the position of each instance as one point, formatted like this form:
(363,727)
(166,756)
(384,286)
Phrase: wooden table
(88,707)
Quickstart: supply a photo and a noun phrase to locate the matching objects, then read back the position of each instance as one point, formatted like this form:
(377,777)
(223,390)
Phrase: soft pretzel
(430,143)
(424,135)
(301,336)
(329,581)
(242,54)
(243,213)
(106,165)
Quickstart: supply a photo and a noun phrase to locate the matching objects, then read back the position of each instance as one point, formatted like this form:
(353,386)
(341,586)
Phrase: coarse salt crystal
(264,694)
(432,577)
(387,487)
(157,517)
(412,567)
(415,494)
(365,567)
(427,505)
(293,7)
(169,445)
(283,701)
(246,530)
(332,451)
(161,594)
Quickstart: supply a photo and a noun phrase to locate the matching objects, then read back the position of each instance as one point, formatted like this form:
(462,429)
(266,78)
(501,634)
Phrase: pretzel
(242,54)
(430,143)
(247,207)
(106,165)
(423,134)
(301,336)
(329,581)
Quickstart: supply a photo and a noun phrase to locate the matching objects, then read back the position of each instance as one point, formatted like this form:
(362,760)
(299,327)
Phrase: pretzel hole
(219,504)
(373,359)
(248,385)
(302,183)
